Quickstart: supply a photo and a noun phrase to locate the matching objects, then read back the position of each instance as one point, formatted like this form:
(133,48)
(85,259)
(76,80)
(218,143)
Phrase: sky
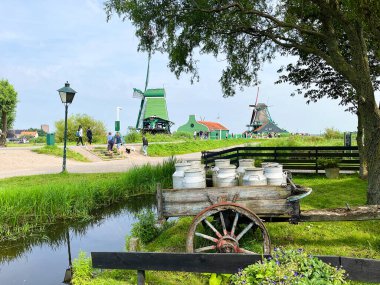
(44,43)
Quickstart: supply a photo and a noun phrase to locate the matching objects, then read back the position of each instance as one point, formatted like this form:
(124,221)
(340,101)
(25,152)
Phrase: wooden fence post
(316,160)
(160,210)
(140,277)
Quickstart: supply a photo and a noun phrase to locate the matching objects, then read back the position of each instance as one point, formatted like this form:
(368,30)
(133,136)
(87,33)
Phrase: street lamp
(67,96)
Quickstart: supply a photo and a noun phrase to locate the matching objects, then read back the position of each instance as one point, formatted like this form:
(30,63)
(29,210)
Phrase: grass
(355,239)
(29,204)
(192,146)
(57,151)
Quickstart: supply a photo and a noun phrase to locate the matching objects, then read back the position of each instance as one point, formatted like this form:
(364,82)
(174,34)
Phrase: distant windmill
(261,120)
(153,114)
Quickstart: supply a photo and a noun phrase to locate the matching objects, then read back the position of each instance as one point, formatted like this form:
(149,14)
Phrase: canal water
(44,259)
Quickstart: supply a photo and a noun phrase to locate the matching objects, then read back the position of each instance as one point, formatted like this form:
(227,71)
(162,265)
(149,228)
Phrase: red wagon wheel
(225,234)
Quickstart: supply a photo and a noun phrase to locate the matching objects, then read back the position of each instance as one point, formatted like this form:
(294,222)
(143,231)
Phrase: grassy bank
(189,146)
(57,151)
(28,204)
(356,239)
(169,149)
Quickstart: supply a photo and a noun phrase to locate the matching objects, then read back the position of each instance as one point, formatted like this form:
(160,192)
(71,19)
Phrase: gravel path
(24,162)
(21,161)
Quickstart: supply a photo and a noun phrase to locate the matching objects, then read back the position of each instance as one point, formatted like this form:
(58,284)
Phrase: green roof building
(213,130)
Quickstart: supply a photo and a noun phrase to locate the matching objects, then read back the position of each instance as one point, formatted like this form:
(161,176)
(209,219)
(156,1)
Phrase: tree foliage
(98,128)
(337,44)
(8,103)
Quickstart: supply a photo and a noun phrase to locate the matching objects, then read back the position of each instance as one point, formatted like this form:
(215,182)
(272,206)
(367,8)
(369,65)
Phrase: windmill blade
(253,117)
(137,93)
(257,95)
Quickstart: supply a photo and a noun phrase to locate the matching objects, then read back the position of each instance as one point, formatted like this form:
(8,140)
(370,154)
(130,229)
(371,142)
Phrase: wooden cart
(223,216)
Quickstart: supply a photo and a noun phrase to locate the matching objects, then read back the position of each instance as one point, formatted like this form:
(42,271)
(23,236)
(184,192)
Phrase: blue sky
(44,43)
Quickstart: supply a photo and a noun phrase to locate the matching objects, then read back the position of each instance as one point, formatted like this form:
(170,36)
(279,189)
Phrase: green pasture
(189,146)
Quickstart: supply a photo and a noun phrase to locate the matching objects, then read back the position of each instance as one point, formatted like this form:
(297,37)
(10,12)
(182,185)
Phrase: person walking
(145,145)
(80,135)
(89,135)
(110,143)
(118,141)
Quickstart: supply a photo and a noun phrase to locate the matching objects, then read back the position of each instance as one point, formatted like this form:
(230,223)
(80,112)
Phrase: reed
(28,204)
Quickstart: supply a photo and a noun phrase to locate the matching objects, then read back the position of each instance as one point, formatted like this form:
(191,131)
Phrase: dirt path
(24,162)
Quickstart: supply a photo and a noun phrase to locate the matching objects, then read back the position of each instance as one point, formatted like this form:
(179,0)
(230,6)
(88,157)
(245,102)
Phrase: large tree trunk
(370,116)
(3,136)
(363,172)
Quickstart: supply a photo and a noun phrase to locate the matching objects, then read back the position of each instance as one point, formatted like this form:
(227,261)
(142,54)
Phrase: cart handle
(300,196)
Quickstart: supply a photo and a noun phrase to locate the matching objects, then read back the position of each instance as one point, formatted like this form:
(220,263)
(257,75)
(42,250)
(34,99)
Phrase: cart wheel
(224,237)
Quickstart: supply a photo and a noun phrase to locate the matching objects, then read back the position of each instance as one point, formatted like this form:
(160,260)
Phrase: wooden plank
(243,192)
(259,207)
(367,270)
(196,262)
(360,213)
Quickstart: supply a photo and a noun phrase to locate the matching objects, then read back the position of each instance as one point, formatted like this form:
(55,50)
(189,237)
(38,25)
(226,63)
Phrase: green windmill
(153,114)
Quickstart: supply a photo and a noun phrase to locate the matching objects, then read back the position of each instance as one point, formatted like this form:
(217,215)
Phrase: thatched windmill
(261,120)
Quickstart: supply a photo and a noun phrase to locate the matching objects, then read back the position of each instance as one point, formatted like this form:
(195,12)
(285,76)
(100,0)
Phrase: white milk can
(194,179)
(243,164)
(273,173)
(254,177)
(218,163)
(227,176)
(179,174)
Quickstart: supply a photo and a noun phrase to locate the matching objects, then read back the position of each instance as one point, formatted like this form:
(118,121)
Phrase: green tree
(98,128)
(344,35)
(8,103)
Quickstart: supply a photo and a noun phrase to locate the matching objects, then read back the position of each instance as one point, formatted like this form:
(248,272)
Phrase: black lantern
(66,93)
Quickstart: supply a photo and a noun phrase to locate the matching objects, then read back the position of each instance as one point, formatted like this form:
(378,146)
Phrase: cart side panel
(267,208)
(242,193)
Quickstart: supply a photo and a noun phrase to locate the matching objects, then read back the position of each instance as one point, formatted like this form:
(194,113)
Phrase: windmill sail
(137,93)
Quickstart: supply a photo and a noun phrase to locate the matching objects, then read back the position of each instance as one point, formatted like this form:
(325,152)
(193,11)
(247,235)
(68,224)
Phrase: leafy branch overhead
(336,45)
(248,33)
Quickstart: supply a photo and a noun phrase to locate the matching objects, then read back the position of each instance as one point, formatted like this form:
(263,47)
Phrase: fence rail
(359,269)
(292,158)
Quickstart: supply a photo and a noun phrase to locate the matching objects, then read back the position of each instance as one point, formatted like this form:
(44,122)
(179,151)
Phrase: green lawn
(57,151)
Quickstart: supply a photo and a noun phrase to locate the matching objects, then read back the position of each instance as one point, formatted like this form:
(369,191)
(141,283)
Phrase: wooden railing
(367,270)
(292,158)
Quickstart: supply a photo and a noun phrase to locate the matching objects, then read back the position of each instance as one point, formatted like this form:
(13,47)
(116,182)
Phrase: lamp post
(117,122)
(67,96)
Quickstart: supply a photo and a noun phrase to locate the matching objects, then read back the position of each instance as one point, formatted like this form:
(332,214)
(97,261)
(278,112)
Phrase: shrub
(290,267)
(328,163)
(146,228)
(133,137)
(98,128)
(331,133)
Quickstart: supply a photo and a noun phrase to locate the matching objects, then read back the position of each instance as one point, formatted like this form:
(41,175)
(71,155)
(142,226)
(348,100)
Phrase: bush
(290,267)
(133,137)
(328,163)
(146,228)
(331,133)
(98,128)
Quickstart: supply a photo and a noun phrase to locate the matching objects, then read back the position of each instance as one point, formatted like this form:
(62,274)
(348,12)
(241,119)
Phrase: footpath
(21,161)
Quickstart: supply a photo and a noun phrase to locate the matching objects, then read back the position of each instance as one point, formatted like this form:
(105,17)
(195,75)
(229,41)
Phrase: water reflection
(47,254)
